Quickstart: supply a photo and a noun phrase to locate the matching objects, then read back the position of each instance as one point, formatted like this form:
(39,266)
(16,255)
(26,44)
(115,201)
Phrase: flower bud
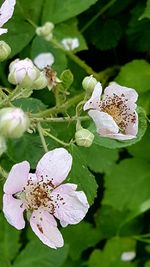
(41,82)
(89,83)
(13,122)
(46,31)
(5,50)
(84,137)
(3,146)
(70,43)
(23,72)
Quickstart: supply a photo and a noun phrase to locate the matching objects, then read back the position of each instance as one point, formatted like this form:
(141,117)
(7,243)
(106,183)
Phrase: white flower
(128,256)
(43,60)
(6,12)
(23,72)
(45,196)
(70,43)
(115,113)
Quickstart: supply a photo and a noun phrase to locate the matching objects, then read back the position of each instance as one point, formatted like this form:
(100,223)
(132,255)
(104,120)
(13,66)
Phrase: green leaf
(58,11)
(128,75)
(81,240)
(109,34)
(112,143)
(28,148)
(9,240)
(147,264)
(29,104)
(146,13)
(81,176)
(39,45)
(144,102)
(110,256)
(142,149)
(129,188)
(36,254)
(99,159)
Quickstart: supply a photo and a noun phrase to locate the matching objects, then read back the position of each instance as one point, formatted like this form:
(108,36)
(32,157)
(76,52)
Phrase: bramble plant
(74,141)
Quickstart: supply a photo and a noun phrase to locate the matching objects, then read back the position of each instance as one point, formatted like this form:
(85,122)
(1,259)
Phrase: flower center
(116,107)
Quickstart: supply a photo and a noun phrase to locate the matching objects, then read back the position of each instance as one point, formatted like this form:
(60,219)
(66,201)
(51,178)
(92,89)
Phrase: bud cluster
(46,31)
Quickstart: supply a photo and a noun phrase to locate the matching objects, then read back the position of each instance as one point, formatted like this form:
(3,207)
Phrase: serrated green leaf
(112,143)
(84,236)
(58,11)
(29,104)
(9,240)
(142,149)
(128,75)
(81,176)
(110,256)
(35,253)
(108,35)
(129,187)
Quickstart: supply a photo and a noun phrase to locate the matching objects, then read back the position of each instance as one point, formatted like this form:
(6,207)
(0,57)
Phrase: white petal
(70,206)
(105,124)
(121,137)
(117,89)
(43,60)
(128,256)
(3,31)
(6,11)
(13,210)
(93,102)
(132,128)
(70,43)
(45,227)
(17,178)
(56,165)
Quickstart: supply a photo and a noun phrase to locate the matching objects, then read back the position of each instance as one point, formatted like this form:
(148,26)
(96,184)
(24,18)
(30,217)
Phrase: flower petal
(13,210)
(132,127)
(54,166)
(121,137)
(104,122)
(6,11)
(45,227)
(93,102)
(70,206)
(43,60)
(17,178)
(114,88)
(2,31)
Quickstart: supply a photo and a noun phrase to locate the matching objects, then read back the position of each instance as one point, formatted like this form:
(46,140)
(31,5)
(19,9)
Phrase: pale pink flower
(6,12)
(43,60)
(114,113)
(44,197)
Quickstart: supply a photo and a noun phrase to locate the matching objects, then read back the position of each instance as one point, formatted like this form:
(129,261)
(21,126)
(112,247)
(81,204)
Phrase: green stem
(56,139)
(11,96)
(62,119)
(40,130)
(71,102)
(94,18)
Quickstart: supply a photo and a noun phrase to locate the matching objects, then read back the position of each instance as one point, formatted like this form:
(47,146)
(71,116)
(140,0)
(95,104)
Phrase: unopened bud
(84,137)
(41,82)
(5,50)
(13,122)
(3,146)
(89,83)
(46,31)
(23,72)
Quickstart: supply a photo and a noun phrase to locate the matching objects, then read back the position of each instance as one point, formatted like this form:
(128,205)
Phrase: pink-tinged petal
(114,88)
(45,227)
(17,178)
(120,136)
(13,210)
(93,102)
(33,178)
(70,206)
(105,124)
(132,127)
(54,166)
(2,31)
(6,11)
